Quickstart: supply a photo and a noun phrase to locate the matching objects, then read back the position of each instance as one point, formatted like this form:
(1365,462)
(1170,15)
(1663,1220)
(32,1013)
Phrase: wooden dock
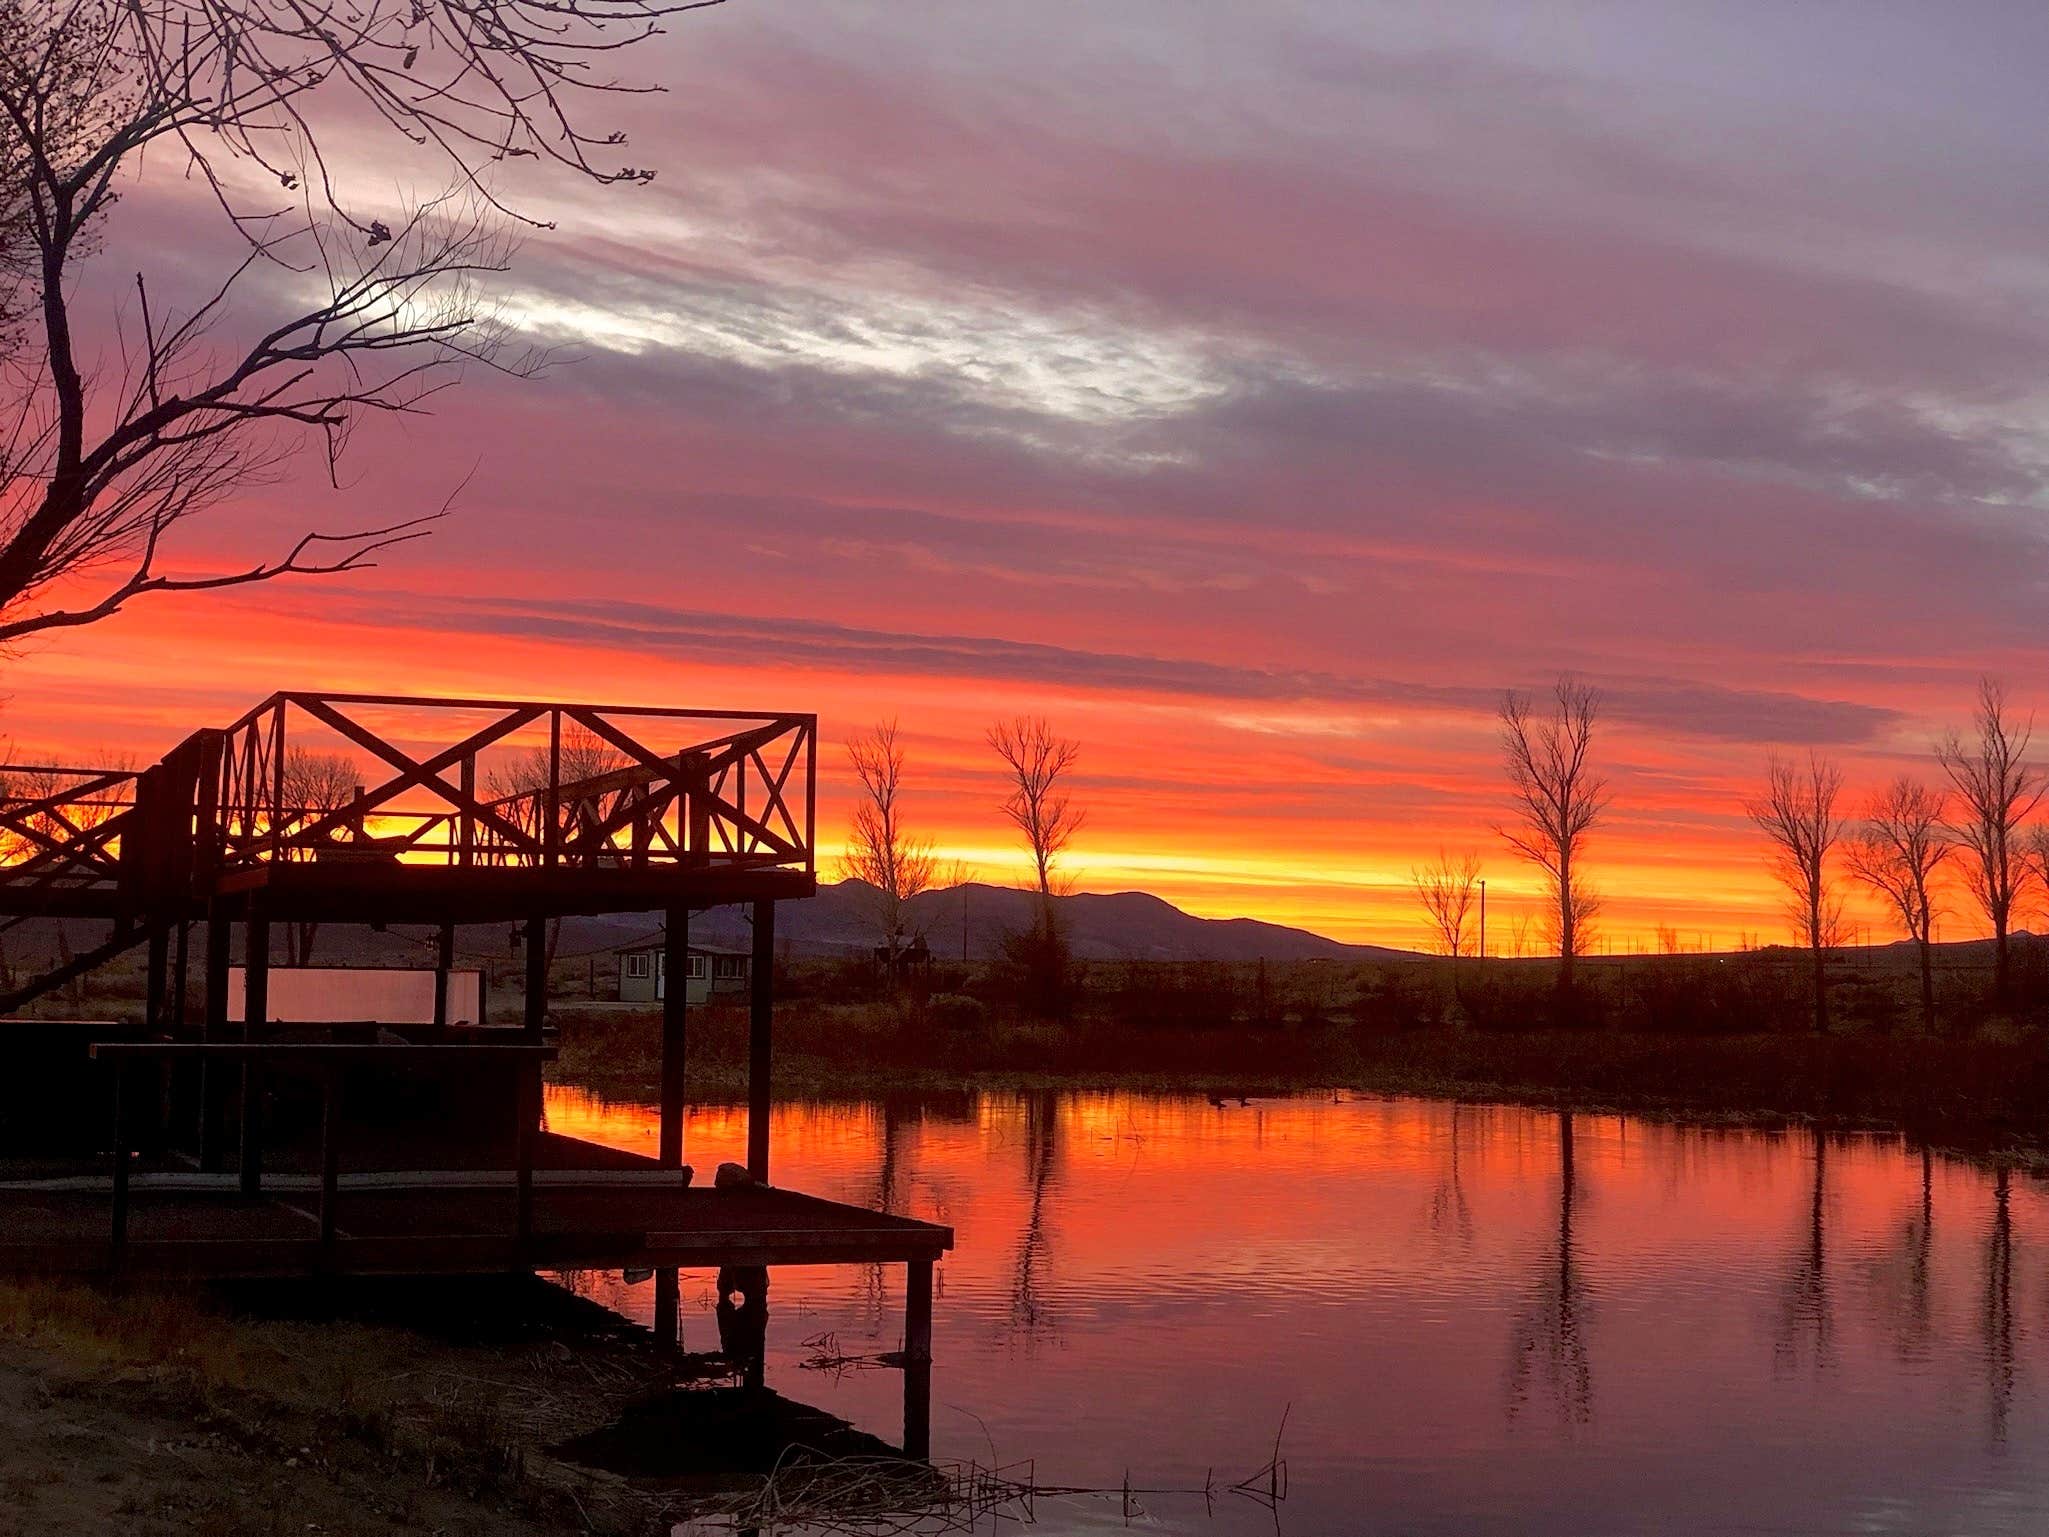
(261,1146)
(384,1224)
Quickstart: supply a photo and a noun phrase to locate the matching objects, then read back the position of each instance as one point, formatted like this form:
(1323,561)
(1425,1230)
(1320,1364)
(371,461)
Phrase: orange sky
(1240,398)
(1305,815)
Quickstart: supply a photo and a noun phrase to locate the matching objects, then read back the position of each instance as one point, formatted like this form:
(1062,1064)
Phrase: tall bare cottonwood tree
(1897,852)
(1558,800)
(881,852)
(1997,790)
(118,426)
(1038,804)
(1797,814)
(1037,762)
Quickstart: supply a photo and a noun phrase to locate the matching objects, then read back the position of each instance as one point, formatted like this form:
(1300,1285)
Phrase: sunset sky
(1256,391)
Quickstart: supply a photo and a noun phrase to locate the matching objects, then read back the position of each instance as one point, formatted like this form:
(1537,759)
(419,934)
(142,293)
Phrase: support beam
(675,1012)
(536,1014)
(255,1015)
(213,1077)
(760,1028)
(444,962)
(918,1359)
(668,1311)
(156,985)
(918,1310)
(181,967)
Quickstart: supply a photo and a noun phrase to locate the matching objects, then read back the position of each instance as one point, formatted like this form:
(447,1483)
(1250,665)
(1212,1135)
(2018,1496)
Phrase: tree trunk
(1566,926)
(1927,988)
(2000,977)
(1820,991)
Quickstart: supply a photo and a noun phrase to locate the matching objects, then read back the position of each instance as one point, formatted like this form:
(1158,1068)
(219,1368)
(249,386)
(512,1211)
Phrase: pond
(1469,1317)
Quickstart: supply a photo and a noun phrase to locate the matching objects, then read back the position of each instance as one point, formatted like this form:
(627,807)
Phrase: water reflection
(1999,1330)
(1806,1324)
(1029,1317)
(1787,1333)
(1550,1333)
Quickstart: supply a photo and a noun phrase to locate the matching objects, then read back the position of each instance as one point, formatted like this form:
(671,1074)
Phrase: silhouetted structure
(708,808)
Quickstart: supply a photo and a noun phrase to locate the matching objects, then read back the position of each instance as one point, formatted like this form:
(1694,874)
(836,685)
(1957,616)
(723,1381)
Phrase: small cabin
(643,976)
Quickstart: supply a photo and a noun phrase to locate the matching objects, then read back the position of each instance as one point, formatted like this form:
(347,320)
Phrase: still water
(1473,1317)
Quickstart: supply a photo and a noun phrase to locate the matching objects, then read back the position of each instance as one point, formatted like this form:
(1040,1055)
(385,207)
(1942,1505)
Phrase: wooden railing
(325,1062)
(506,784)
(62,826)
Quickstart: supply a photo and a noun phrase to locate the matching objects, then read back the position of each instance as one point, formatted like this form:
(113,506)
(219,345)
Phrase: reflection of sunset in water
(1150,1282)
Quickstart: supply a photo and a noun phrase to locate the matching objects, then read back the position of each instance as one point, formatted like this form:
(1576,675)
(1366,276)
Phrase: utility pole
(1483,919)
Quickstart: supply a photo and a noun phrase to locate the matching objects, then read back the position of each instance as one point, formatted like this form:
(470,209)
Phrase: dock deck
(202,1225)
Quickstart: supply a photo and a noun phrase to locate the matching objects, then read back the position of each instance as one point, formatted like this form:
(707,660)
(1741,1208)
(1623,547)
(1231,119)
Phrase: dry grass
(200,1414)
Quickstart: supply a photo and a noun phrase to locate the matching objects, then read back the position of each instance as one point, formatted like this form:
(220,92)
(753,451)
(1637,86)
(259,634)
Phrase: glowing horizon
(1245,398)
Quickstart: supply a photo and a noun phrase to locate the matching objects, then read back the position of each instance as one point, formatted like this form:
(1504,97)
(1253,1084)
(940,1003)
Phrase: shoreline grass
(1985,1093)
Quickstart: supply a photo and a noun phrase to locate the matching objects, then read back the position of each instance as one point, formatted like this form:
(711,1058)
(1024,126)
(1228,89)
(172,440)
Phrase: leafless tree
(115,429)
(315,783)
(1038,803)
(1797,815)
(1518,933)
(1558,800)
(1997,791)
(1449,891)
(880,852)
(1897,852)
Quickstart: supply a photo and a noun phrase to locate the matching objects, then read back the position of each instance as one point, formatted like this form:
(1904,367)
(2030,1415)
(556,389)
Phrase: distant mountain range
(975,919)
(840,920)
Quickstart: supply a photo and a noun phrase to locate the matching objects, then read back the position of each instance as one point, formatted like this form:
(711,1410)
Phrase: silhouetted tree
(1558,800)
(315,783)
(1038,803)
(99,464)
(1450,892)
(879,850)
(1797,815)
(1997,791)
(1897,852)
(1039,806)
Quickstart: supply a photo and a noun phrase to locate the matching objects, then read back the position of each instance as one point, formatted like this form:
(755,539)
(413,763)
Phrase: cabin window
(696,972)
(637,967)
(727,968)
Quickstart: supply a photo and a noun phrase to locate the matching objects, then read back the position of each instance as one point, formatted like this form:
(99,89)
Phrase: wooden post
(118,1251)
(330,1158)
(918,1310)
(675,1009)
(213,1077)
(156,986)
(523,1151)
(444,962)
(536,976)
(918,1358)
(255,1015)
(760,1027)
(180,970)
(668,1309)
(181,1078)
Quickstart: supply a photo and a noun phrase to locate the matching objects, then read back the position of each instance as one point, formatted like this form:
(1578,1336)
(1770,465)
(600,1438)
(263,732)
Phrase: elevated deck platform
(383,1227)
